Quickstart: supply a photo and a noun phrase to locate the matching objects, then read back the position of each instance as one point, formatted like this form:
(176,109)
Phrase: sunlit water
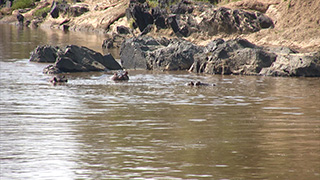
(153,126)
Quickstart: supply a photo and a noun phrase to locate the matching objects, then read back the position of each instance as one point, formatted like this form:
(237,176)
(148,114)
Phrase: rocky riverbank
(236,57)
(245,37)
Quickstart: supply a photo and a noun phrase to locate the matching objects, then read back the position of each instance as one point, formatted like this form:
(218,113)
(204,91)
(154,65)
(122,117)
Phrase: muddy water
(153,126)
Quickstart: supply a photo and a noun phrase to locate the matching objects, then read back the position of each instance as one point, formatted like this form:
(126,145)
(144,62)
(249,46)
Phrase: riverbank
(296,22)
(194,35)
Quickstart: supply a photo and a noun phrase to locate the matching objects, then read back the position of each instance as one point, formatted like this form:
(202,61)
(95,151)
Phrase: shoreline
(95,21)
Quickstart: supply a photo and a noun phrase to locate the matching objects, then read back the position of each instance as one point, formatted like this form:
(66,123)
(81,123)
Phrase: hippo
(120,76)
(58,80)
(198,83)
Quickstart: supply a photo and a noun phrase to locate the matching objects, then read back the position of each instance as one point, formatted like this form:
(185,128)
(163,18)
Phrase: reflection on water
(17,42)
(155,127)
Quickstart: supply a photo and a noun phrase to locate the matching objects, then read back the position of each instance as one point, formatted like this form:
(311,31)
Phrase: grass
(39,12)
(289,4)
(22,4)
(131,23)
(152,3)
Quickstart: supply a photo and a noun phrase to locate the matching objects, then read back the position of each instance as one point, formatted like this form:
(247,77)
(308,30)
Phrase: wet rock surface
(157,54)
(235,56)
(73,58)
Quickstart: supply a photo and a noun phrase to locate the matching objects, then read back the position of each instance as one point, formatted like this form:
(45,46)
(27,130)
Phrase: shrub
(152,3)
(40,12)
(131,23)
(21,4)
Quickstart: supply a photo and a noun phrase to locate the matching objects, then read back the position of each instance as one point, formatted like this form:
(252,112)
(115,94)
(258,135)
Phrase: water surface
(153,126)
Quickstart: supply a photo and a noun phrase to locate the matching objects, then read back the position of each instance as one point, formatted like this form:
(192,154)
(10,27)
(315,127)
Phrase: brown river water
(153,126)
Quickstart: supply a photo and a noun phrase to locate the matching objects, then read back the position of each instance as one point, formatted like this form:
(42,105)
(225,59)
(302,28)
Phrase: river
(153,126)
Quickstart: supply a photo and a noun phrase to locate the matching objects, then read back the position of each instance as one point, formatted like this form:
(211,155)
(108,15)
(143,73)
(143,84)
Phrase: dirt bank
(296,22)
(297,25)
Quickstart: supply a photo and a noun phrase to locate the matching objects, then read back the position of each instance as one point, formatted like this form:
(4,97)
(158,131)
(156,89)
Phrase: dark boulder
(181,7)
(178,55)
(157,54)
(294,64)
(240,57)
(228,21)
(141,16)
(64,8)
(78,9)
(123,30)
(112,45)
(133,53)
(159,15)
(236,56)
(185,31)
(265,21)
(45,54)
(54,11)
(20,19)
(172,22)
(73,58)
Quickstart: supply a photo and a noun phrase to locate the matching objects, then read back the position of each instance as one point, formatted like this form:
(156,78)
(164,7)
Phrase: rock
(236,56)
(133,53)
(51,69)
(240,57)
(141,16)
(54,11)
(123,30)
(185,31)
(178,55)
(62,7)
(159,16)
(157,54)
(293,64)
(35,22)
(228,21)
(112,45)
(146,30)
(181,8)
(20,19)
(80,59)
(45,54)
(172,22)
(73,58)
(265,21)
(78,9)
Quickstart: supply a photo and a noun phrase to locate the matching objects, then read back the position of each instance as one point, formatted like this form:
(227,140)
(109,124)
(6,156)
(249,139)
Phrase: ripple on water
(153,126)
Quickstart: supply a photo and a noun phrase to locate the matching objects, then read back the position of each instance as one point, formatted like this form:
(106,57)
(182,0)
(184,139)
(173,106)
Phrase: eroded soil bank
(296,22)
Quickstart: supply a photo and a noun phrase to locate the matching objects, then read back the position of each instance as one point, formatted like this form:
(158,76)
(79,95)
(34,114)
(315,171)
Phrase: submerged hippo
(58,80)
(198,83)
(120,76)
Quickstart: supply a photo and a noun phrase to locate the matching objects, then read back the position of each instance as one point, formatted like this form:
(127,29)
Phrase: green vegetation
(131,22)
(21,4)
(152,3)
(289,4)
(40,12)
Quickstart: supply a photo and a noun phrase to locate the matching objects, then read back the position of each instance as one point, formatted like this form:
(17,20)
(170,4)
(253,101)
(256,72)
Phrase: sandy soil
(297,25)
(297,22)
